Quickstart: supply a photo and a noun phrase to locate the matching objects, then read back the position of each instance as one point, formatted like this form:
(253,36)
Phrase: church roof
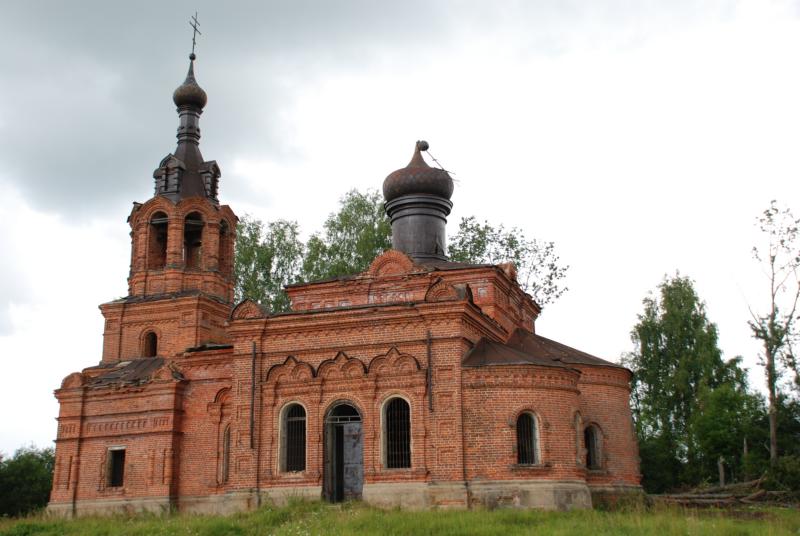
(526,348)
(134,372)
(545,348)
(488,353)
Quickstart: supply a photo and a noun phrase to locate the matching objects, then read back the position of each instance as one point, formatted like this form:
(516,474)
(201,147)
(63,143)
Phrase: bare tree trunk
(721,469)
(773,407)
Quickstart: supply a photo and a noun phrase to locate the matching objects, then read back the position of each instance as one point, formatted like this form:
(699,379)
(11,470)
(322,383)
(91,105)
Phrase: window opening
(591,438)
(527,440)
(294,438)
(150,344)
(157,243)
(116,467)
(398,434)
(224,255)
(226,453)
(193,240)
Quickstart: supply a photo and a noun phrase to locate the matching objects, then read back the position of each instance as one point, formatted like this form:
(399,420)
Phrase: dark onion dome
(189,93)
(418,178)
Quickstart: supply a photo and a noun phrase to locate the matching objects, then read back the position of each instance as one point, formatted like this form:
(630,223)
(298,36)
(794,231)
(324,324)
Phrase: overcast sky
(641,137)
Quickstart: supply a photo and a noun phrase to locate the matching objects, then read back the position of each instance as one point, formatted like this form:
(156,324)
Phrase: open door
(343,477)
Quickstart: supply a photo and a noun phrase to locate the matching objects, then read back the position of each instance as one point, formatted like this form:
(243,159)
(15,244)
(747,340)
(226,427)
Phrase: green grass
(356,519)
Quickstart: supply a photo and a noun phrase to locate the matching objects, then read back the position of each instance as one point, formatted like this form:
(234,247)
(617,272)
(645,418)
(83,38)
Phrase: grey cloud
(85,107)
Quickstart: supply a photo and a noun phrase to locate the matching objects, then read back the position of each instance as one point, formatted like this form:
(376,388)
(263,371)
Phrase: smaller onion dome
(189,93)
(418,178)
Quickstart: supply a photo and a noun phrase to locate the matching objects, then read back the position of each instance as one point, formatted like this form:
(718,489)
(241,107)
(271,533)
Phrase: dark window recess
(527,440)
(193,241)
(116,469)
(591,438)
(150,345)
(226,453)
(398,434)
(295,431)
(157,243)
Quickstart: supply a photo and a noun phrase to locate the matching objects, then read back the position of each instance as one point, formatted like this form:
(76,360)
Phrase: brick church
(418,383)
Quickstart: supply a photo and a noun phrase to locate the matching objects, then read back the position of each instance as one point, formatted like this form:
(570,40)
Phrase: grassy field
(321,518)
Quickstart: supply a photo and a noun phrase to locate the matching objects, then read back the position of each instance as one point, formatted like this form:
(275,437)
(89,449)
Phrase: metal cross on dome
(194,24)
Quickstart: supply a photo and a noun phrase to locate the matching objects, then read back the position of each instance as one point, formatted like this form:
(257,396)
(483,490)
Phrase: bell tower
(180,287)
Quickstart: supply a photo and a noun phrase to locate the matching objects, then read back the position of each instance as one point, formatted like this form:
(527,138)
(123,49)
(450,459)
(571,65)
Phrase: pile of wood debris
(737,494)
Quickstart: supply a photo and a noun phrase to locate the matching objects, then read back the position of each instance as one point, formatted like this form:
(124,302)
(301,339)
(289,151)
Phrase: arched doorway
(343,477)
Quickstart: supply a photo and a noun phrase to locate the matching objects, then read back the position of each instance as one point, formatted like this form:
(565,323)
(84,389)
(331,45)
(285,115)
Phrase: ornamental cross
(194,24)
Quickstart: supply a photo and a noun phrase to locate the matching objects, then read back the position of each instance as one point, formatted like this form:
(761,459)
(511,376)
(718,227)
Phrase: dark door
(344,461)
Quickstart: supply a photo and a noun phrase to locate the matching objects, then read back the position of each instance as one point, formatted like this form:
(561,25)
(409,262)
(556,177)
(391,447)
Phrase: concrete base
(415,495)
(152,505)
(611,497)
(544,494)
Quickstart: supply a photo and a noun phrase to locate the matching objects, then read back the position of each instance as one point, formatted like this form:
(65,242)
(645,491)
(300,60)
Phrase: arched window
(157,242)
(527,439)
(578,439)
(150,345)
(397,434)
(226,453)
(592,440)
(193,241)
(225,249)
(293,444)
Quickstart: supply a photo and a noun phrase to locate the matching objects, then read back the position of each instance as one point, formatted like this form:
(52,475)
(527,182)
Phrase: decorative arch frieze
(341,367)
(390,262)
(247,309)
(290,371)
(393,363)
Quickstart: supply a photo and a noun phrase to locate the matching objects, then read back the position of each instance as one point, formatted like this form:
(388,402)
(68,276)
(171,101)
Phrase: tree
(25,480)
(727,425)
(267,258)
(538,268)
(676,358)
(351,239)
(776,329)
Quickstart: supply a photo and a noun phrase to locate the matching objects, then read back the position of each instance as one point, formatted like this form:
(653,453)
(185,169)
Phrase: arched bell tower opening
(225,255)
(193,228)
(157,241)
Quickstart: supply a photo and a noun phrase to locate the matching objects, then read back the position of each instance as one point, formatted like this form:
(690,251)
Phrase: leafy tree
(267,258)
(538,268)
(676,359)
(726,424)
(25,480)
(777,328)
(351,239)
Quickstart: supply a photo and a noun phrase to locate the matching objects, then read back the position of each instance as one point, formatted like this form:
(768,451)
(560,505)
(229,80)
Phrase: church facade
(418,383)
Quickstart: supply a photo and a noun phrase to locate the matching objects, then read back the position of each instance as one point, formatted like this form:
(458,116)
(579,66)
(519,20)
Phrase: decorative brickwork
(188,407)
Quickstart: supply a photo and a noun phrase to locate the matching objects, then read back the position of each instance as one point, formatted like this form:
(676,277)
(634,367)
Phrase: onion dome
(190,93)
(418,178)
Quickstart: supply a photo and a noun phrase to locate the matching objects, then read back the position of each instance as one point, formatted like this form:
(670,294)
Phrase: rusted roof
(134,372)
(545,348)
(489,353)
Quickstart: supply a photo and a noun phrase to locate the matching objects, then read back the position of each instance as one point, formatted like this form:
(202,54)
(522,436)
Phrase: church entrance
(344,463)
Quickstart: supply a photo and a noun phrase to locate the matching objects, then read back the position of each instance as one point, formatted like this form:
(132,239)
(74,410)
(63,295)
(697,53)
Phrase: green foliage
(352,237)
(725,418)
(360,519)
(785,474)
(538,268)
(267,258)
(25,480)
(677,367)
